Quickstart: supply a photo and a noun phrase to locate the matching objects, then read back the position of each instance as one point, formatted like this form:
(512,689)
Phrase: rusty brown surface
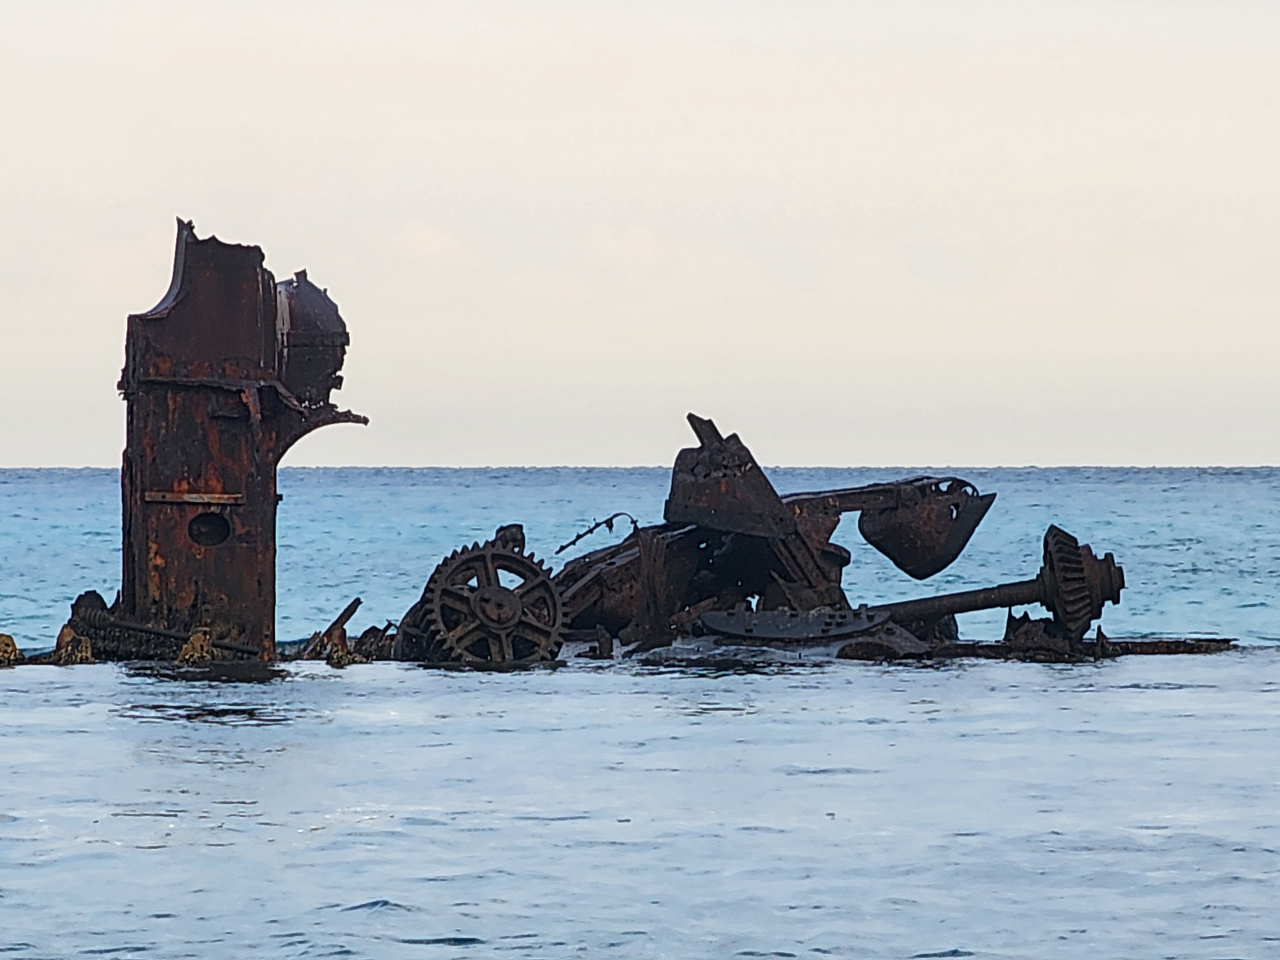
(1086,651)
(729,540)
(9,652)
(333,637)
(1168,647)
(230,369)
(921,524)
(221,378)
(487,605)
(719,485)
(786,627)
(740,565)
(928,526)
(1072,584)
(71,648)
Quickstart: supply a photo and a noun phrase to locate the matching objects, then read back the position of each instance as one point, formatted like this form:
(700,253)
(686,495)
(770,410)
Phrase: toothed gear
(1076,583)
(490,604)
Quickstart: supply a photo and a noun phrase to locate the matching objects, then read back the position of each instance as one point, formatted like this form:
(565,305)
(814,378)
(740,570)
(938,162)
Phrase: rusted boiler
(221,378)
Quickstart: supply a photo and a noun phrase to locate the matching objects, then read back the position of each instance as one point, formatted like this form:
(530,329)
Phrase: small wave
(377,905)
(580,816)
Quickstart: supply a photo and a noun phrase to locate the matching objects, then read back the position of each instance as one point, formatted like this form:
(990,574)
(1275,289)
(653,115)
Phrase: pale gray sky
(856,233)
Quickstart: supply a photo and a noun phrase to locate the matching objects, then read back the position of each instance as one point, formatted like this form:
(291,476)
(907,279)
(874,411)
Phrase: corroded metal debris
(489,603)
(779,627)
(221,378)
(729,541)
(9,652)
(231,368)
(735,565)
(330,644)
(1072,584)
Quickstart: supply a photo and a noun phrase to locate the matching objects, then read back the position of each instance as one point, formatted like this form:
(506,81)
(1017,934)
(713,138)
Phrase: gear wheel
(1076,583)
(489,604)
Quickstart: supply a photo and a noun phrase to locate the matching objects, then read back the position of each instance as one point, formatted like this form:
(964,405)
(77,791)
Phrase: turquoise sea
(975,809)
(1200,547)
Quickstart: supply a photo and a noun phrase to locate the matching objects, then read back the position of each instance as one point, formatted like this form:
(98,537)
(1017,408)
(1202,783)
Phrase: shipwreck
(232,367)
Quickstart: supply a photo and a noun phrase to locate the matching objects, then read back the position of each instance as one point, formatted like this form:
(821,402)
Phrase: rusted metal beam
(102,620)
(224,499)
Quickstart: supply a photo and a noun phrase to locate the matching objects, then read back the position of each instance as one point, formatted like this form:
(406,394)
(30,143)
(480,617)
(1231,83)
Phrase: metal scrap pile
(231,368)
(736,566)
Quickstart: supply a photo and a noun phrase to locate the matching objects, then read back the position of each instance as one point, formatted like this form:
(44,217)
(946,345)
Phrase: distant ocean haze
(1200,547)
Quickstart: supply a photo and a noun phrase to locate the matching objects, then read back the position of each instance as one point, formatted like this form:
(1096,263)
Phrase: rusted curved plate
(925,537)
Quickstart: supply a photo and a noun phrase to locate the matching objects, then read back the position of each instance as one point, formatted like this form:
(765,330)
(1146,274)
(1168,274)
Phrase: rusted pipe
(1073,584)
(102,620)
(931,609)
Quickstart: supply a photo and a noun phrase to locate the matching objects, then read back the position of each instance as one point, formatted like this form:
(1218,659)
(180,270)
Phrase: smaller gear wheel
(1076,583)
(489,605)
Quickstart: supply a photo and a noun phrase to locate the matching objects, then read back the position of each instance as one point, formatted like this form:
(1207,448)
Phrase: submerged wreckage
(736,565)
(231,368)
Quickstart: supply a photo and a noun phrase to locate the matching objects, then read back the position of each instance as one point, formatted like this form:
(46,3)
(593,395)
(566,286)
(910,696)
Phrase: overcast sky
(855,233)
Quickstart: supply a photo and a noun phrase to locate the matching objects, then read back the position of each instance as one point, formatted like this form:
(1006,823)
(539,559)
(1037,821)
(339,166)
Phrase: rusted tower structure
(221,378)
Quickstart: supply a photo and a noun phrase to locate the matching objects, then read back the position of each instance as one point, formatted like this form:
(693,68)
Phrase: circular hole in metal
(208,529)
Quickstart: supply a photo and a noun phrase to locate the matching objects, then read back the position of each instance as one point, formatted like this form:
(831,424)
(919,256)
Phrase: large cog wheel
(491,605)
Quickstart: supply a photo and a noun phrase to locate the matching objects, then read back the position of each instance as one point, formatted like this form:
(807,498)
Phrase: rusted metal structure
(922,524)
(1072,583)
(729,540)
(231,368)
(221,378)
(743,566)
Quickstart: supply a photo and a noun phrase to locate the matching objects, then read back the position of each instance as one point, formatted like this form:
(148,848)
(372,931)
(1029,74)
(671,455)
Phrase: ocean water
(1200,547)
(1122,809)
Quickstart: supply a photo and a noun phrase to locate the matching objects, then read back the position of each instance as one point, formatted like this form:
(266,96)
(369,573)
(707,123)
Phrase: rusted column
(221,378)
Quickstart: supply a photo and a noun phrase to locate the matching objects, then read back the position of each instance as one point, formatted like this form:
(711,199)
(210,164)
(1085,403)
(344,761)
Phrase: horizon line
(763,466)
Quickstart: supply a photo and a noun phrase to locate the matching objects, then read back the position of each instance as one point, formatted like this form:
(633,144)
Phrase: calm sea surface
(1127,809)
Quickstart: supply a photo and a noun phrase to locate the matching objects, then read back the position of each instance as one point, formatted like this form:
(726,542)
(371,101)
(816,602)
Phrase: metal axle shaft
(1073,584)
(931,609)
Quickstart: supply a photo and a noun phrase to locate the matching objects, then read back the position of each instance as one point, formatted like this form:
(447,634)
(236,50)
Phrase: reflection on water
(234,715)
(216,672)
